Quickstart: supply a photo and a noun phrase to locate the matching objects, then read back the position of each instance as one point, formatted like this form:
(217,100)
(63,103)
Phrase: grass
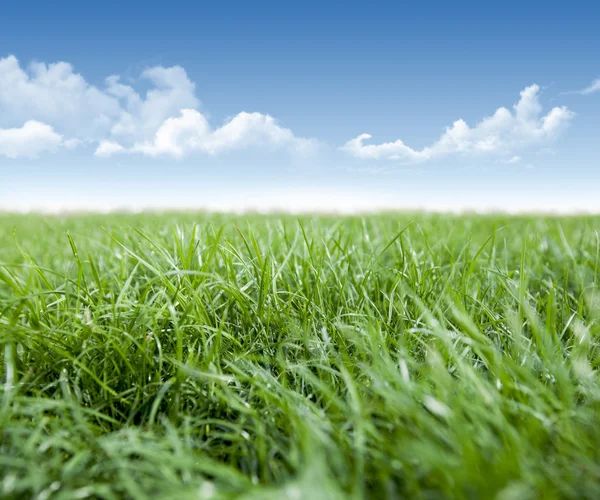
(267,357)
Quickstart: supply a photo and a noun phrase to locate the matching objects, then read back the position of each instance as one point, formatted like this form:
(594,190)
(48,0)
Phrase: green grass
(207,356)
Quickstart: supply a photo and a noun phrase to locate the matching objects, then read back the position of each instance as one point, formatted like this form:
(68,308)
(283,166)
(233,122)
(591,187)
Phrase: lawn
(196,356)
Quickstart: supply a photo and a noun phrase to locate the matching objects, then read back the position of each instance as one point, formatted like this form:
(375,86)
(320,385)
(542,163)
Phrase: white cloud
(247,129)
(141,117)
(514,159)
(162,121)
(165,119)
(590,89)
(191,132)
(29,141)
(502,133)
(71,144)
(54,94)
(390,150)
(108,148)
(176,135)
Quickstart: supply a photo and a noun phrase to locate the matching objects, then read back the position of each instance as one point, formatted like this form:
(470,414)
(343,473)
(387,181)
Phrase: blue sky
(242,105)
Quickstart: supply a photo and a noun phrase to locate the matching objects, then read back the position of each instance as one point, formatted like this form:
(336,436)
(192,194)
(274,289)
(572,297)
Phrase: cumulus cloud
(108,148)
(29,141)
(54,93)
(191,132)
(63,110)
(140,116)
(390,150)
(164,120)
(502,133)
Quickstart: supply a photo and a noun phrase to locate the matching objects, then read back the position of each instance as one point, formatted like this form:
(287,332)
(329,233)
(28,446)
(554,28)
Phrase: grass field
(196,357)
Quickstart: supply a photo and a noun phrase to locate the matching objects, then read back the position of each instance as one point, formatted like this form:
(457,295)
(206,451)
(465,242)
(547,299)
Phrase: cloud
(140,116)
(29,141)
(54,94)
(165,120)
(514,159)
(390,150)
(191,132)
(502,133)
(162,121)
(590,89)
(108,148)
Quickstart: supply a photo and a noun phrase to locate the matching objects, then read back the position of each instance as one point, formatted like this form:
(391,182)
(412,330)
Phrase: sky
(298,106)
